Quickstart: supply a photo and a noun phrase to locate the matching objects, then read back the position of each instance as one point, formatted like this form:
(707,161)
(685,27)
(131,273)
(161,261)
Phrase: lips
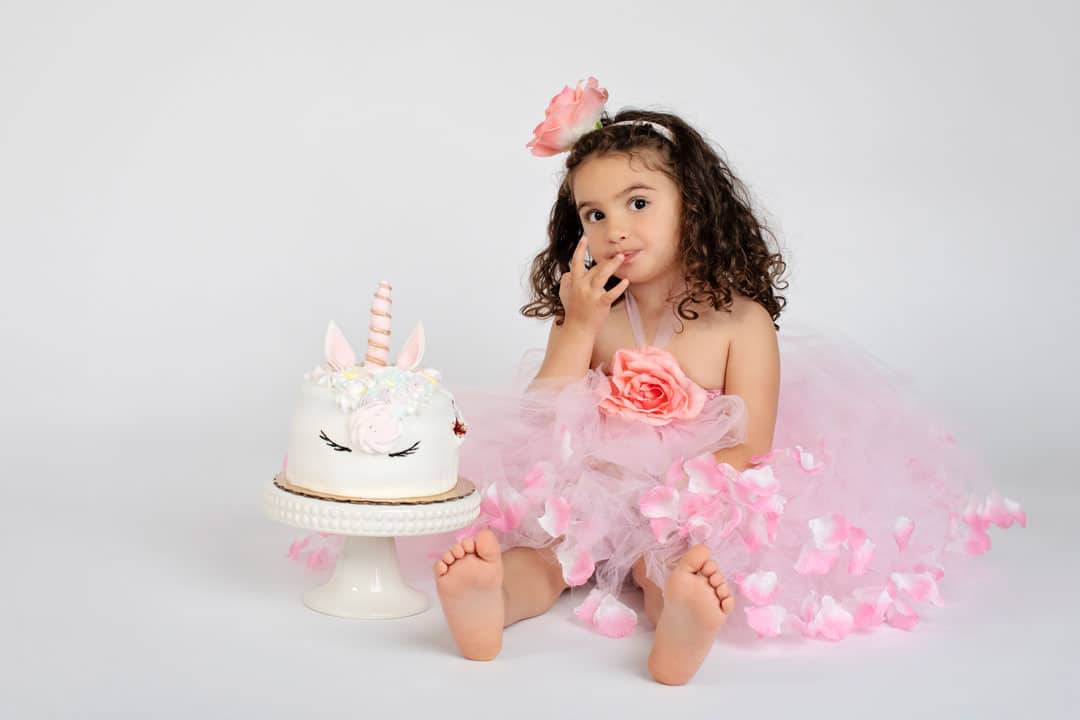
(629,255)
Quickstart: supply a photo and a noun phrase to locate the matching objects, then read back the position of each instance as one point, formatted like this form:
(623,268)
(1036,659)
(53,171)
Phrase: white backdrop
(190,191)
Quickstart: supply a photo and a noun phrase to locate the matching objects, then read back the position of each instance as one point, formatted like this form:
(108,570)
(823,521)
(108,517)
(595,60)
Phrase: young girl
(658,444)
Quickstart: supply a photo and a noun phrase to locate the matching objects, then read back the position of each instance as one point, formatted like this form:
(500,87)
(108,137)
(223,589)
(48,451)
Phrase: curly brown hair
(723,245)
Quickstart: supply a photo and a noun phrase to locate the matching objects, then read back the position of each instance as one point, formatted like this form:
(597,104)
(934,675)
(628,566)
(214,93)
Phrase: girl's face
(626,207)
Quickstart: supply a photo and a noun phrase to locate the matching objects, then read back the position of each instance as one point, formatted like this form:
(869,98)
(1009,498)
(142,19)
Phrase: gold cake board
(464,488)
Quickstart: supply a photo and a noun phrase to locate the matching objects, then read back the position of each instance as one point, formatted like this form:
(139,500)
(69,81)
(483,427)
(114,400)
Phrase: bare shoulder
(751,319)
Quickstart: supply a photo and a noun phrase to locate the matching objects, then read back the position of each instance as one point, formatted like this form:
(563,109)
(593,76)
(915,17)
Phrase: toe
(716,579)
(469,544)
(722,590)
(448,558)
(441,568)
(709,568)
(487,546)
(695,558)
(727,604)
(459,552)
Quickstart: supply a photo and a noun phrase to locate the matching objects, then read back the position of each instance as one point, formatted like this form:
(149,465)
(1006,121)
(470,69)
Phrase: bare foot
(469,579)
(696,604)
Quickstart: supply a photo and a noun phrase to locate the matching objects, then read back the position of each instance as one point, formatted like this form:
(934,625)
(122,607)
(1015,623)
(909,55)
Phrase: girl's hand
(582,291)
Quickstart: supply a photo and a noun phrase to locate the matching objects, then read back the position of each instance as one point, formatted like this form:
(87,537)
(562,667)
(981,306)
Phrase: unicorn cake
(374,430)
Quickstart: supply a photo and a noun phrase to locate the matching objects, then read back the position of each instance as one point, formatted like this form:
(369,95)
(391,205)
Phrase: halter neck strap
(664,331)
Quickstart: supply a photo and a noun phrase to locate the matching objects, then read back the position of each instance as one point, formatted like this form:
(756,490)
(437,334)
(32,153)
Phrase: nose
(617,235)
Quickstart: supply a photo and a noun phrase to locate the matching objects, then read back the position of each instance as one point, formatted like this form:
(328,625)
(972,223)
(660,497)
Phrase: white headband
(655,126)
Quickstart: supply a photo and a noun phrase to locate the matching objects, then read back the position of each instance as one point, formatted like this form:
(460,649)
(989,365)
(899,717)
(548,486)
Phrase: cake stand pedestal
(367,581)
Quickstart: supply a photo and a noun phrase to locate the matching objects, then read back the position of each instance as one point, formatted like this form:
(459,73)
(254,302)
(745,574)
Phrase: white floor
(143,591)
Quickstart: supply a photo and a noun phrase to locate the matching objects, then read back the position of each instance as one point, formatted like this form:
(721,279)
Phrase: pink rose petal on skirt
(861,557)
(577,566)
(760,480)
(506,509)
(813,561)
(766,621)
(755,533)
(587,609)
(920,587)
(901,616)
(902,529)
(556,518)
(1014,509)
(832,621)
(871,605)
(613,618)
(1001,511)
(537,482)
(731,521)
(663,528)
(759,587)
(704,475)
(660,502)
(806,461)
(675,474)
(829,532)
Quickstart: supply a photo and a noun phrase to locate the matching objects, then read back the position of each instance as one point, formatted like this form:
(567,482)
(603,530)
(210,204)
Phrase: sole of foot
(469,579)
(697,602)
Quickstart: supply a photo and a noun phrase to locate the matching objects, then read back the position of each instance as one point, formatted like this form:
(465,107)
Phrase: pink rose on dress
(569,115)
(648,385)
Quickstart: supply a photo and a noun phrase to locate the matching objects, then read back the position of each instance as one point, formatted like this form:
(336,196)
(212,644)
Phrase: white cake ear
(413,352)
(339,354)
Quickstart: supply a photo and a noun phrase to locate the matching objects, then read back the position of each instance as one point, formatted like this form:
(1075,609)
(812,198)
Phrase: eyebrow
(582,205)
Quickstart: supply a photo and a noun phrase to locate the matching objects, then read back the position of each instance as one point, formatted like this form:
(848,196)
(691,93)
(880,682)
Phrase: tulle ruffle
(849,523)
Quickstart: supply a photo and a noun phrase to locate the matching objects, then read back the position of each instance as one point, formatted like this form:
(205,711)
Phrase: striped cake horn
(378,352)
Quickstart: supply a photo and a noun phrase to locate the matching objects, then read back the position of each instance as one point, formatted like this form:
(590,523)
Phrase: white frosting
(339,404)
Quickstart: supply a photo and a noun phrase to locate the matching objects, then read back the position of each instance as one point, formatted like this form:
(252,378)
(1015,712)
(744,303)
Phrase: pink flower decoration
(766,621)
(759,587)
(570,114)
(920,587)
(862,551)
(871,606)
(829,620)
(901,616)
(812,561)
(577,566)
(902,529)
(609,616)
(829,532)
(648,385)
(504,510)
(556,518)
(374,428)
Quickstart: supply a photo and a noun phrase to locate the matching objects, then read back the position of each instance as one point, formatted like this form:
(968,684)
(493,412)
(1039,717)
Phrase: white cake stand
(367,581)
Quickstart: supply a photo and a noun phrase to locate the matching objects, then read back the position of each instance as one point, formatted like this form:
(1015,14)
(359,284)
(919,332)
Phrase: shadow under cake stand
(367,581)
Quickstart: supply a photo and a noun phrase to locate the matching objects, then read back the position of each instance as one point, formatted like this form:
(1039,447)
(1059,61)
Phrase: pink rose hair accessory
(573,113)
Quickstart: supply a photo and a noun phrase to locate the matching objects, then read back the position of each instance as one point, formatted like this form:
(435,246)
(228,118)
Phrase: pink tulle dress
(851,521)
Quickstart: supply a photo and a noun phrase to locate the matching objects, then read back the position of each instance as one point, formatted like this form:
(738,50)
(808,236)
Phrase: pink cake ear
(339,354)
(413,352)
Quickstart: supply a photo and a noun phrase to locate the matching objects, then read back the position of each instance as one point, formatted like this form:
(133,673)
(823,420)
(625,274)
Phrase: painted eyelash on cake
(407,451)
(331,443)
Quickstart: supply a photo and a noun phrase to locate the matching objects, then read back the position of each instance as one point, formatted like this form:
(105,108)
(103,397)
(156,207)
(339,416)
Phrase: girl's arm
(753,373)
(569,352)
(587,304)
